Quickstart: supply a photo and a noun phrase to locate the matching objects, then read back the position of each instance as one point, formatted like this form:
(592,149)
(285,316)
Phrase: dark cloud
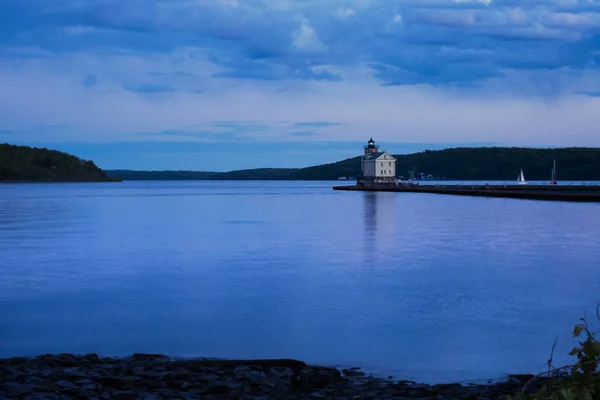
(413,42)
(305,133)
(591,94)
(316,124)
(148,88)
(192,134)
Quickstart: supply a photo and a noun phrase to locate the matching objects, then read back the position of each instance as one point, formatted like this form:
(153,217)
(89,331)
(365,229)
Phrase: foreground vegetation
(485,163)
(27,164)
(578,381)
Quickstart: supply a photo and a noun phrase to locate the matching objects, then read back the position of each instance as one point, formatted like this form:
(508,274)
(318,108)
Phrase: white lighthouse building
(377,166)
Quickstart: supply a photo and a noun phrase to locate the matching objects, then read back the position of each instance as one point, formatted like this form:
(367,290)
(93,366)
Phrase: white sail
(521,178)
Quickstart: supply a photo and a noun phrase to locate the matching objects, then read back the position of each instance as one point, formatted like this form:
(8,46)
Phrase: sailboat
(521,179)
(553,181)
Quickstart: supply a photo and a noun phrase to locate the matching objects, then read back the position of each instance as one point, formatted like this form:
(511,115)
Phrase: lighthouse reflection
(379,222)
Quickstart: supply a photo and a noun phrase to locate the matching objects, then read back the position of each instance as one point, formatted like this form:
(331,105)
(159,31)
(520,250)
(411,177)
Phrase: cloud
(307,40)
(304,133)
(183,74)
(90,80)
(148,88)
(591,94)
(173,134)
(317,124)
(344,12)
(262,40)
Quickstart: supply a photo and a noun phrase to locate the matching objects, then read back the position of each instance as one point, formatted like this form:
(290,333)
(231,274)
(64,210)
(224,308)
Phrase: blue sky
(185,84)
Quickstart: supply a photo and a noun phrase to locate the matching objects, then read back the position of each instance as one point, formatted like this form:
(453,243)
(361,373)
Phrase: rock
(139,370)
(111,381)
(92,357)
(167,394)
(130,380)
(139,356)
(65,360)
(207,378)
(352,372)
(14,389)
(65,384)
(219,388)
(88,387)
(319,378)
(157,375)
(152,396)
(86,381)
(17,361)
(124,395)
(419,387)
(447,387)
(35,381)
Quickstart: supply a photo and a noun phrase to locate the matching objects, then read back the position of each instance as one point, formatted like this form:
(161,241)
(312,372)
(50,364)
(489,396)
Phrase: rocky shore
(147,376)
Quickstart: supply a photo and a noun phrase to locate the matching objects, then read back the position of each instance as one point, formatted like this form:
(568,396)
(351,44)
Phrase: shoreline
(11,182)
(156,376)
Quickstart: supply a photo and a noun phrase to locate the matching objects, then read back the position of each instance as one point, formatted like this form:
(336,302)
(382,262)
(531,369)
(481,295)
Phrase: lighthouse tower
(371,147)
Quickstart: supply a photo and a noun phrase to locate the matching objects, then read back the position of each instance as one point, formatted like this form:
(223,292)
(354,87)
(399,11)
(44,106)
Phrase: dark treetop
(26,164)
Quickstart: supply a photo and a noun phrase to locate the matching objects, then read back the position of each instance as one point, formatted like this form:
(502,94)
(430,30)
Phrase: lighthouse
(377,167)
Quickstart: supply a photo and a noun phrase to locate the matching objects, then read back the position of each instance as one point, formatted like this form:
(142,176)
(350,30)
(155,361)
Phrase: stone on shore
(154,376)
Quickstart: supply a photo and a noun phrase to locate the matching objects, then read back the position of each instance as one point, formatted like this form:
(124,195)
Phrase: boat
(553,179)
(521,179)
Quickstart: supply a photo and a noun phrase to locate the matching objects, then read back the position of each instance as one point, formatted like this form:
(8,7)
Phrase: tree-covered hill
(502,163)
(129,175)
(484,163)
(27,164)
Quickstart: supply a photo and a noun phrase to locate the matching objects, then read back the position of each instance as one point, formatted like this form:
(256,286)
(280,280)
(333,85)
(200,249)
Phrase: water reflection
(379,223)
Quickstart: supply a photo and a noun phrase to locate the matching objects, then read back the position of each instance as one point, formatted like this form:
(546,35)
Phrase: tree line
(483,163)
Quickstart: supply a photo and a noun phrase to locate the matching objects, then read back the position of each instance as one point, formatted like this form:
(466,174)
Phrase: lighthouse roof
(375,156)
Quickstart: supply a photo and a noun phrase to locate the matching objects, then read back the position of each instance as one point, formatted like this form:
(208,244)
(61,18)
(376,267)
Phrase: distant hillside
(484,163)
(129,175)
(27,164)
(502,163)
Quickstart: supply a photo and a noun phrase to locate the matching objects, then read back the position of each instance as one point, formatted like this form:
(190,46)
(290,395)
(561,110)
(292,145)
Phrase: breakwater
(579,193)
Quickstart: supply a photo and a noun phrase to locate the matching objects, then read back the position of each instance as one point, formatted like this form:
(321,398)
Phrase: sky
(232,84)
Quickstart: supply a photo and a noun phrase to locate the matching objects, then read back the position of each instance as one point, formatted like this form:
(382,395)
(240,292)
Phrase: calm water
(422,286)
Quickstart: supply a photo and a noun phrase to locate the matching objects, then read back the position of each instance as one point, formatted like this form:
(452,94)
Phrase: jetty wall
(532,192)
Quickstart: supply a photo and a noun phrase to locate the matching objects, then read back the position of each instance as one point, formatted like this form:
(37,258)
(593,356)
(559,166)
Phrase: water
(421,286)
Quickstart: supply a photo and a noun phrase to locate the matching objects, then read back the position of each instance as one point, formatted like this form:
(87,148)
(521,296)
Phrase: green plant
(578,381)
